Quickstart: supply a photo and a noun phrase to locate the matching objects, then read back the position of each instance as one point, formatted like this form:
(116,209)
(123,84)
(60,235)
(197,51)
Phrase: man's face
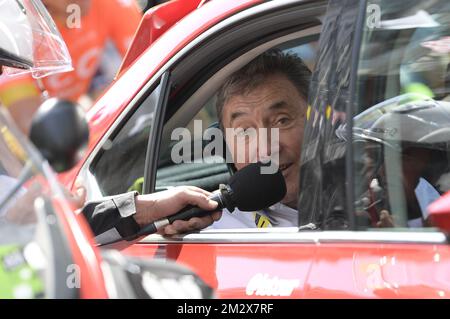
(276,103)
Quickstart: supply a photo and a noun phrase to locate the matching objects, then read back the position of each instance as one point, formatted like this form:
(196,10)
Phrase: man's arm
(112,218)
(123,215)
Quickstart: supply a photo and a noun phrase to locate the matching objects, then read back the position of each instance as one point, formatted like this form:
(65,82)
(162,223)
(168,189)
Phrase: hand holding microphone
(248,190)
(158,205)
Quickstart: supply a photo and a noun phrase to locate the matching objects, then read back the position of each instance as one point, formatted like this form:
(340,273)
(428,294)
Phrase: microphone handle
(187,213)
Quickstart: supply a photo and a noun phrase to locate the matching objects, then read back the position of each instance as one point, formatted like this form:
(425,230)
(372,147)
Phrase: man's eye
(283,121)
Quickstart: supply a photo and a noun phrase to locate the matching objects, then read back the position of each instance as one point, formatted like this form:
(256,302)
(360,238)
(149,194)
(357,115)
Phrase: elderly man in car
(269,92)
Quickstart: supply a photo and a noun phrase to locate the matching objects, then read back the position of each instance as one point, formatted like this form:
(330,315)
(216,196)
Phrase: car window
(181,162)
(119,167)
(401,134)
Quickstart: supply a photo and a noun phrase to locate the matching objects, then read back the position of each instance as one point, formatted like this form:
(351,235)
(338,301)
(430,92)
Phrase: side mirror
(60,132)
(439,213)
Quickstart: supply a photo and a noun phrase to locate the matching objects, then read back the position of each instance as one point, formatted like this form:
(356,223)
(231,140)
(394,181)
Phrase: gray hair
(256,72)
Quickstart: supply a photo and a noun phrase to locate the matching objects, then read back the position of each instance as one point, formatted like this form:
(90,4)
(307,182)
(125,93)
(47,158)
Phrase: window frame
(154,140)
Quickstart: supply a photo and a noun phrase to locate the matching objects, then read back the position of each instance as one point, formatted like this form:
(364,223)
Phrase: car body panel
(86,256)
(230,268)
(155,22)
(320,270)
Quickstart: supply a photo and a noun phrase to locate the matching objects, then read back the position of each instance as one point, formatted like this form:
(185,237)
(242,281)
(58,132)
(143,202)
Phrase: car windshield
(401,126)
(24,190)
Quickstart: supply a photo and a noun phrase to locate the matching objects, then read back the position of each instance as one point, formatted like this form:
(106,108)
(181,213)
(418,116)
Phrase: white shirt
(278,215)
(426,194)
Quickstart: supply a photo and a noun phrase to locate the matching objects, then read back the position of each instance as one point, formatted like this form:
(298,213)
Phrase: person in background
(86,26)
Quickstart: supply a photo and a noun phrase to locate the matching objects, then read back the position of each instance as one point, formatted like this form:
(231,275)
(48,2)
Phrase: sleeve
(122,30)
(17,88)
(112,217)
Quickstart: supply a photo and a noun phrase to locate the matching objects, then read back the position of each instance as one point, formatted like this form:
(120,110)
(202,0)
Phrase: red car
(369,59)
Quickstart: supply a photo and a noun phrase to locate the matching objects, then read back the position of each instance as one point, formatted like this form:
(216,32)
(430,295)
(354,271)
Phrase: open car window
(188,155)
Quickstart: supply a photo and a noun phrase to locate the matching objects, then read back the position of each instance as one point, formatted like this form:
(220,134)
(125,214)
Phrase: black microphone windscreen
(255,190)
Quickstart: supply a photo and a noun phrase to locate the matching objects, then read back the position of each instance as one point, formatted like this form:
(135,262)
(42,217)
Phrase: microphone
(248,190)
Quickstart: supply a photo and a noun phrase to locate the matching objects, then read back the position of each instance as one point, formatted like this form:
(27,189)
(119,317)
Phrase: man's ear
(1,69)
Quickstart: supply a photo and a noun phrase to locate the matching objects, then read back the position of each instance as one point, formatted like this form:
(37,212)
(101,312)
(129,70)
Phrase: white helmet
(423,123)
(30,41)
(401,124)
